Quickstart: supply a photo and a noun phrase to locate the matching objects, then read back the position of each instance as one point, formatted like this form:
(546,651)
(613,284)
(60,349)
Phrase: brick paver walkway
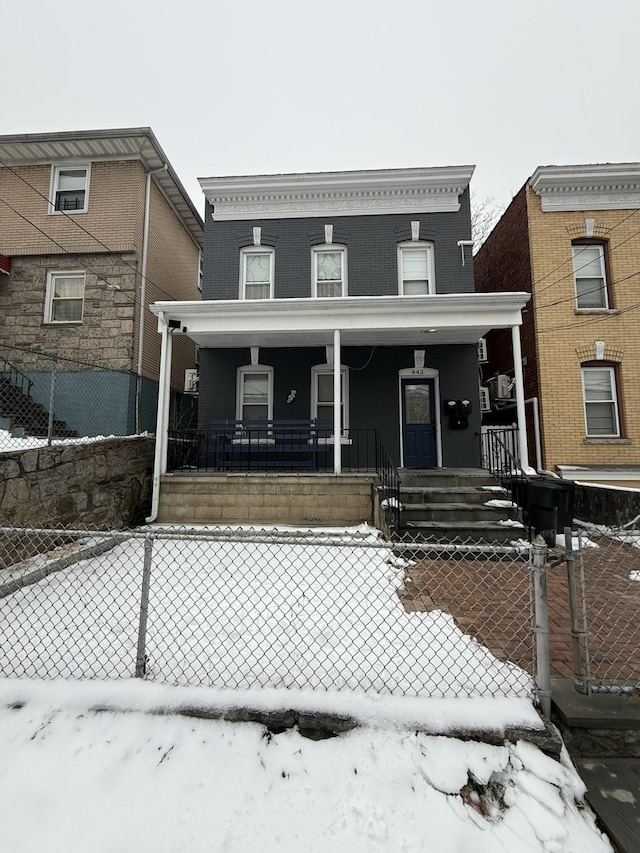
(491,600)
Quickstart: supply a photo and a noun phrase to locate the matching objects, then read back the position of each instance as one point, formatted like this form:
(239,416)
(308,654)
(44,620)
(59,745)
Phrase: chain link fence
(46,398)
(603,587)
(241,608)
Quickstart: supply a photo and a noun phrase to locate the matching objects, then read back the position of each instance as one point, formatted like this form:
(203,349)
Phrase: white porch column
(337,403)
(519,377)
(162,419)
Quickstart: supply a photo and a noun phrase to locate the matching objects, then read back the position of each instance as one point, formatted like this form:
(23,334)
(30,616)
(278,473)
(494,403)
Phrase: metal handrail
(17,379)
(507,470)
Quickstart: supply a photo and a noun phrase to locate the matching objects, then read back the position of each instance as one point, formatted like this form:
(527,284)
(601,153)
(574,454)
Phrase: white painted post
(337,403)
(162,419)
(520,409)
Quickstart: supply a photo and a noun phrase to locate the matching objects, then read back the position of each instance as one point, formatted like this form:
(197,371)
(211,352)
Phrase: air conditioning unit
(485,400)
(482,350)
(191,379)
(503,387)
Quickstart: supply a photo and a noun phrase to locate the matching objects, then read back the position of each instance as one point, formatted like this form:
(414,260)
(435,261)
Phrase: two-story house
(346,298)
(571,238)
(94,225)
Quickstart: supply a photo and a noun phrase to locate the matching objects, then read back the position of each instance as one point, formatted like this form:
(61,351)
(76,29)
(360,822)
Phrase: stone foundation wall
(103,484)
(266,499)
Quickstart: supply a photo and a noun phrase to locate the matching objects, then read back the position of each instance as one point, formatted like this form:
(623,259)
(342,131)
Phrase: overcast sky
(284,86)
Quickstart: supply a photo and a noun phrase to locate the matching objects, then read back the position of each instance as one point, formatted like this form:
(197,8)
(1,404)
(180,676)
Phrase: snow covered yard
(249,613)
(127,777)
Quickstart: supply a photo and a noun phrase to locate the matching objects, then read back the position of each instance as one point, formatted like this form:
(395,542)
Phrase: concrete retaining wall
(610,506)
(103,484)
(266,499)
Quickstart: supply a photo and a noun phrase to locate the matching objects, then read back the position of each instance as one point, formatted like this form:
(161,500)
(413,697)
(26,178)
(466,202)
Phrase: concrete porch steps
(450,504)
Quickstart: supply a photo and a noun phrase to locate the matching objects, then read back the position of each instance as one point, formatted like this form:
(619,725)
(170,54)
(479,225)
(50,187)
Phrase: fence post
(578,675)
(52,394)
(541,628)
(144,608)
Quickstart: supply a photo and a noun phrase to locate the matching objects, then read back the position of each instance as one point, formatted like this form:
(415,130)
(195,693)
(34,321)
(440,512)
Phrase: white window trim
(614,400)
(576,276)
(48,305)
(328,247)
(55,171)
(257,250)
(327,369)
(254,368)
(419,245)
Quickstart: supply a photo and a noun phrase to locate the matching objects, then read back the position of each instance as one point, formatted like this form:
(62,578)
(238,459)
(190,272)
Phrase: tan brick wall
(172,273)
(266,499)
(565,336)
(114,217)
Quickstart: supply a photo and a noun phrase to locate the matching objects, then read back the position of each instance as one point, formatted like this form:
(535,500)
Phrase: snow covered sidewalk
(74,779)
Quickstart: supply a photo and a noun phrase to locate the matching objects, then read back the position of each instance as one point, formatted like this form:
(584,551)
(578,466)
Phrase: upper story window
(69,189)
(254,400)
(416,269)
(589,271)
(65,297)
(256,273)
(600,402)
(329,265)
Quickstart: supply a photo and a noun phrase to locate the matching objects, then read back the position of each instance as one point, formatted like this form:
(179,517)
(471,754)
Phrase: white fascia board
(421,190)
(298,316)
(607,186)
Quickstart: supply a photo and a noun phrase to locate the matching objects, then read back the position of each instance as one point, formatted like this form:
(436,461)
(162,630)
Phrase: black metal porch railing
(287,449)
(498,456)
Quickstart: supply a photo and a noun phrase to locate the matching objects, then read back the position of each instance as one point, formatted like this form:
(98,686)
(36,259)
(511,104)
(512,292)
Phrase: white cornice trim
(435,189)
(607,186)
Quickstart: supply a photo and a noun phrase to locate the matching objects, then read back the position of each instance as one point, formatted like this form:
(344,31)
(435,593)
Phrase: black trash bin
(566,491)
(543,510)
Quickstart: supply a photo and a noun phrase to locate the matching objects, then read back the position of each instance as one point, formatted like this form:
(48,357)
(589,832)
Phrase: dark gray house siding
(371,243)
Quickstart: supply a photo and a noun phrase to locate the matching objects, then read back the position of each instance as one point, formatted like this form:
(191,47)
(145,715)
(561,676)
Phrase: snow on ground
(248,614)
(8,442)
(74,780)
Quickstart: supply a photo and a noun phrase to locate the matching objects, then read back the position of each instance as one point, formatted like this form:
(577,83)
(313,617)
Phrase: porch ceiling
(363,320)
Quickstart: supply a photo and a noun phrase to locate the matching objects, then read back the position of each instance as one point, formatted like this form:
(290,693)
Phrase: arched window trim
(324,370)
(404,248)
(245,253)
(328,248)
(240,387)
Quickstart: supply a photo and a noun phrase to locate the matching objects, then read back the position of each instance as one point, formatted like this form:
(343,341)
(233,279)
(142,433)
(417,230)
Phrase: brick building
(571,238)
(94,226)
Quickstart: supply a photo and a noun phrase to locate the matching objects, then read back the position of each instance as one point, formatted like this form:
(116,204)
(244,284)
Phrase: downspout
(521,415)
(536,431)
(162,420)
(143,286)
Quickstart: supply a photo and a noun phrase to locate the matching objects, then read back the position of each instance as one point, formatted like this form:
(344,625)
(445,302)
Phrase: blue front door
(419,423)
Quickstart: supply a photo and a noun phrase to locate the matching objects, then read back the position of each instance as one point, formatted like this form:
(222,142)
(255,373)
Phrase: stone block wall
(267,499)
(104,485)
(613,507)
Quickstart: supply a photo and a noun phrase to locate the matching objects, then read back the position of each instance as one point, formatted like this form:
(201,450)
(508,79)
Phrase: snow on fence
(234,608)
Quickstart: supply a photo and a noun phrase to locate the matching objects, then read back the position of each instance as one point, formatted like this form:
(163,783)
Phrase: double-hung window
(600,402)
(590,276)
(256,273)
(69,189)
(329,271)
(65,297)
(255,393)
(415,269)
(322,397)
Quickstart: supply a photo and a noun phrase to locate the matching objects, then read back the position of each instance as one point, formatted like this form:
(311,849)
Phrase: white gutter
(162,420)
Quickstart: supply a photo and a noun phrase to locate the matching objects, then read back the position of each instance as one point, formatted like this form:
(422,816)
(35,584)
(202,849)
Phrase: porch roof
(458,318)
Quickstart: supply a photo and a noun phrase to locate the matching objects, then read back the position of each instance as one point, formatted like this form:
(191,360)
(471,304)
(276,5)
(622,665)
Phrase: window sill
(607,441)
(594,311)
(67,212)
(62,323)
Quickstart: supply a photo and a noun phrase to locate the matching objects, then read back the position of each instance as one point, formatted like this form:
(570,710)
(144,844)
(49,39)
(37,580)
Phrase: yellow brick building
(571,238)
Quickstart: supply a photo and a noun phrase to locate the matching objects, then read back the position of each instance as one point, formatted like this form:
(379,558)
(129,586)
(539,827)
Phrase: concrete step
(456,494)
(455,512)
(446,477)
(473,531)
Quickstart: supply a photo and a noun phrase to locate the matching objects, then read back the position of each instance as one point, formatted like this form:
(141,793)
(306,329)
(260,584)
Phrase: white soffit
(608,186)
(363,321)
(422,190)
